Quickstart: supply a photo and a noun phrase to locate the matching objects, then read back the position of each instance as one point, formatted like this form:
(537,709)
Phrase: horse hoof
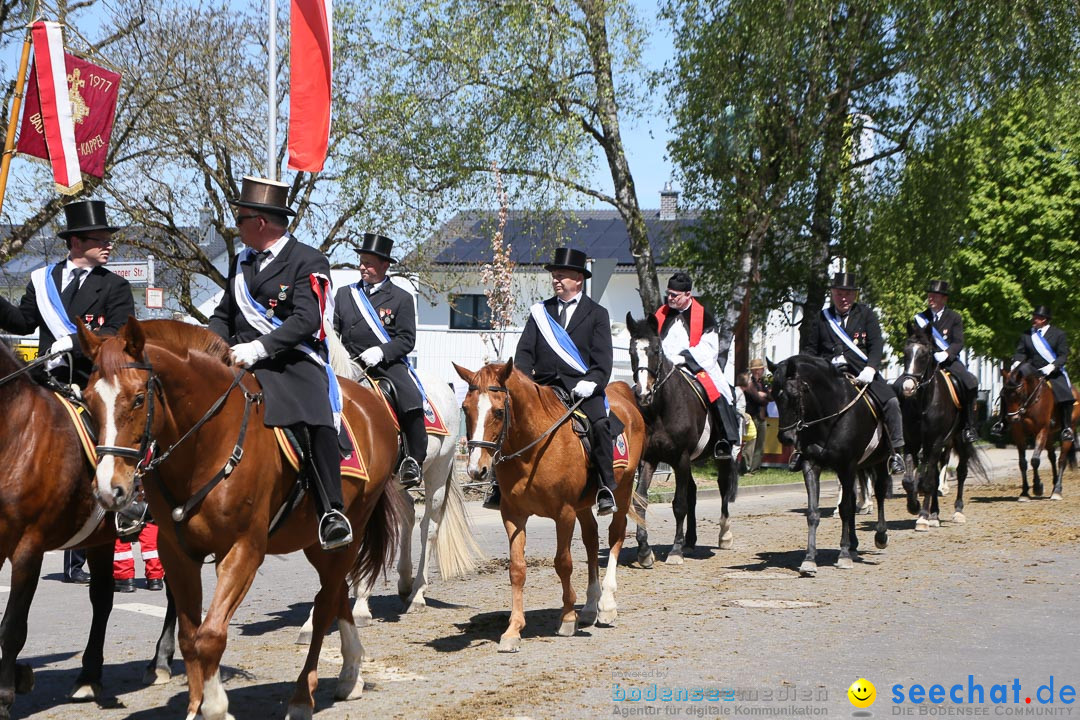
(361,620)
(934,522)
(844,563)
(674,558)
(912,506)
(1037,490)
(567,628)
(298,712)
(586,618)
(350,686)
(727,540)
(157,676)
(646,559)
(922,525)
(958,518)
(304,638)
(1055,496)
(881,540)
(808,568)
(509,644)
(24,679)
(1023,498)
(607,618)
(417,605)
(85,692)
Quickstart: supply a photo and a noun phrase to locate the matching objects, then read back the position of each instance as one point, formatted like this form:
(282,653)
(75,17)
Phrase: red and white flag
(58,126)
(310,72)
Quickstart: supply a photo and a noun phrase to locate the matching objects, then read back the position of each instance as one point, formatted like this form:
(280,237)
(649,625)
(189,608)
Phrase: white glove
(839,360)
(1047,369)
(1016,364)
(62,345)
(584,388)
(941,356)
(249,353)
(678,360)
(866,376)
(372,356)
(53,363)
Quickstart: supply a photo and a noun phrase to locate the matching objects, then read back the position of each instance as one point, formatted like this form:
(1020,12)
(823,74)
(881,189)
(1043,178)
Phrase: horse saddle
(84,428)
(297,450)
(700,382)
(433,421)
(954,388)
(579,422)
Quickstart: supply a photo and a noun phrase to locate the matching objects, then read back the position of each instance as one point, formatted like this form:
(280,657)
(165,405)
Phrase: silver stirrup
(336,543)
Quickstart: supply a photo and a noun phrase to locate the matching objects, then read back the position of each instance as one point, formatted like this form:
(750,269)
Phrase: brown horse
(216,489)
(1028,407)
(542,470)
(47,502)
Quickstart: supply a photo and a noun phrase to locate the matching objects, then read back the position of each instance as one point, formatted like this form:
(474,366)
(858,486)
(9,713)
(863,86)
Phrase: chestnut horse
(175,413)
(542,470)
(1028,407)
(46,503)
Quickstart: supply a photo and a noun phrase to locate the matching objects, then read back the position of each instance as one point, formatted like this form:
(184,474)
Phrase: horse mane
(549,401)
(173,335)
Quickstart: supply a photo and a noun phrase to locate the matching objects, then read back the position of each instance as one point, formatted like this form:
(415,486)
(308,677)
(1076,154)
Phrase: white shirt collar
(568,300)
(274,249)
(65,276)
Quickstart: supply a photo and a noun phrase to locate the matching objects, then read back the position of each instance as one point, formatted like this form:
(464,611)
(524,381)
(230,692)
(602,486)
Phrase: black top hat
(569,259)
(377,245)
(938,286)
(262,194)
(84,216)
(844,281)
(1042,311)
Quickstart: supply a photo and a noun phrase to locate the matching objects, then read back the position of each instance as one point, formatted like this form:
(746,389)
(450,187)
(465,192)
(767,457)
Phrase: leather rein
(496,446)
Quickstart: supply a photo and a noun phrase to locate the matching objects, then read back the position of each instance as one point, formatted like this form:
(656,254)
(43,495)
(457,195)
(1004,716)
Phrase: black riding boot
(410,473)
(334,528)
(600,456)
(1066,422)
(894,422)
(970,433)
(729,422)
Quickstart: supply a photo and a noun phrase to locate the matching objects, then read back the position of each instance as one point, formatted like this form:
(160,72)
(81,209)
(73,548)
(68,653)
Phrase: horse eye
(499,414)
(138,401)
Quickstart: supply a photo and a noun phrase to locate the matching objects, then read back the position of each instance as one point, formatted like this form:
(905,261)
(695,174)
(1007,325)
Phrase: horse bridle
(1028,401)
(497,455)
(927,374)
(147,456)
(799,425)
(655,374)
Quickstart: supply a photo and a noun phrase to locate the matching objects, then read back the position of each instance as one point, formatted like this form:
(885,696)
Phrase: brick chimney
(669,203)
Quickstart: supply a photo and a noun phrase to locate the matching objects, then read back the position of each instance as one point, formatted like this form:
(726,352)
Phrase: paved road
(999,604)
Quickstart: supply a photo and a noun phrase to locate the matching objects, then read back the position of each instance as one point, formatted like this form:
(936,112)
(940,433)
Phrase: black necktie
(563,306)
(843,322)
(72,287)
(260,258)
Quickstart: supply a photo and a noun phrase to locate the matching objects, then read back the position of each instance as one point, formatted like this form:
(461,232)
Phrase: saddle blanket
(433,422)
(620,452)
(80,418)
(352,465)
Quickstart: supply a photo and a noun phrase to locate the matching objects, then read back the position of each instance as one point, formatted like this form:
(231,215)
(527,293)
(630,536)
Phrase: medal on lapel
(273,304)
(100,320)
(386,315)
(88,319)
(284,289)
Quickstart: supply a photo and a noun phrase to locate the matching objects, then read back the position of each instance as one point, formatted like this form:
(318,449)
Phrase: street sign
(155,298)
(136,273)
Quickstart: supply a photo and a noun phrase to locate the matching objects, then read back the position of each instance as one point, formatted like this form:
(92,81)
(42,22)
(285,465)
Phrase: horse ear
(134,337)
(88,341)
(506,372)
(631,323)
(463,373)
(770,364)
(910,328)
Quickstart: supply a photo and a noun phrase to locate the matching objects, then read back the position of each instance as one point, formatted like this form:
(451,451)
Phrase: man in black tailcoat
(1044,350)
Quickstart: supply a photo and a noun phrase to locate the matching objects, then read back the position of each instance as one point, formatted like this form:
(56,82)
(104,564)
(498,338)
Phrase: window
(469,312)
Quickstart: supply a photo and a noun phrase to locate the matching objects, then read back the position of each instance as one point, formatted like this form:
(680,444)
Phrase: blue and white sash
(939,339)
(255,315)
(559,341)
(1043,348)
(367,310)
(839,331)
(50,307)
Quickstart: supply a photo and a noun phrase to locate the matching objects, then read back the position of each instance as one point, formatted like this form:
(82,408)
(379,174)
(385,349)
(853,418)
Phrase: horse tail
(978,464)
(455,549)
(732,490)
(1070,456)
(380,542)
(637,502)
(342,364)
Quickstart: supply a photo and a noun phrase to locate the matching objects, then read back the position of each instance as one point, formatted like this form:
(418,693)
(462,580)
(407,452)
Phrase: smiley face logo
(862,693)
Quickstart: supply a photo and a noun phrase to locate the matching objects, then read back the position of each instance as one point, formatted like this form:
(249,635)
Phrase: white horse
(445,533)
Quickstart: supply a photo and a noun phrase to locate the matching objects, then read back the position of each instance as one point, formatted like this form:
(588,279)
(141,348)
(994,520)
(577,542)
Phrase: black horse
(835,425)
(680,430)
(932,430)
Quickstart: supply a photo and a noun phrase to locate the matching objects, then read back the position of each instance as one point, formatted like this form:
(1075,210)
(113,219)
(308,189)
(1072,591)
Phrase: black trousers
(327,461)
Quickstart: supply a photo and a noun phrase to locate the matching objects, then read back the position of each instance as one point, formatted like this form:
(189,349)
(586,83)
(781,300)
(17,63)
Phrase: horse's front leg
(849,544)
(641,503)
(911,466)
(235,573)
(16,678)
(1036,460)
(727,480)
(882,480)
(679,506)
(811,478)
(564,568)
(88,683)
(590,538)
(186,583)
(1022,462)
(515,532)
(1051,455)
(159,669)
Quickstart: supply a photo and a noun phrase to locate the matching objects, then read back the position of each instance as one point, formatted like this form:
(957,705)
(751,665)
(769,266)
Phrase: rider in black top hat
(380,334)
(848,334)
(950,327)
(1044,350)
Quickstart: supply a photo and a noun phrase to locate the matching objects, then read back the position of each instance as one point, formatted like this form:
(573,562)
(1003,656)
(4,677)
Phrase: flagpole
(16,105)
(271,92)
